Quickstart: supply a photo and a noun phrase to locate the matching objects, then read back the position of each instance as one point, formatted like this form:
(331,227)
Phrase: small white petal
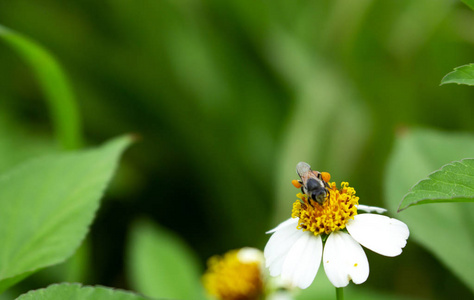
(278,246)
(280,295)
(281,238)
(286,223)
(276,264)
(302,262)
(381,234)
(370,209)
(275,268)
(344,260)
(250,255)
(277,284)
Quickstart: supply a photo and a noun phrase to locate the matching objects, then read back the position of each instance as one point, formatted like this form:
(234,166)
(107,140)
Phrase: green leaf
(460,75)
(54,83)
(75,291)
(17,144)
(453,183)
(444,229)
(161,265)
(469,3)
(48,204)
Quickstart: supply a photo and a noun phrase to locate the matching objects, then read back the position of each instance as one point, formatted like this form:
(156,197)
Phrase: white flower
(296,247)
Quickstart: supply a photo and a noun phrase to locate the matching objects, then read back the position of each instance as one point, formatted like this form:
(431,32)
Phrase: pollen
(296,184)
(230,278)
(339,207)
(326,176)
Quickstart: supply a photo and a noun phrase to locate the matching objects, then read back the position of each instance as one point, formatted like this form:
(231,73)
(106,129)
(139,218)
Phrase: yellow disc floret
(339,207)
(232,277)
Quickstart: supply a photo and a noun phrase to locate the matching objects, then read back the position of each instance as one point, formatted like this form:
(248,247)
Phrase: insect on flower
(312,183)
(332,231)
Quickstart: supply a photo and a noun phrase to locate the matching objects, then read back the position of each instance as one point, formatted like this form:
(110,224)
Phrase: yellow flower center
(228,278)
(339,207)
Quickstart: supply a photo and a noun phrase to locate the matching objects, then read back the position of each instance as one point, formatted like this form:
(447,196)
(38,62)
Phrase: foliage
(469,3)
(161,265)
(48,205)
(444,228)
(78,292)
(228,96)
(55,86)
(453,183)
(460,75)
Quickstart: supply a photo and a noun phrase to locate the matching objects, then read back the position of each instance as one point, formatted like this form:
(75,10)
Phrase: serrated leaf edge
(410,191)
(27,163)
(456,70)
(81,286)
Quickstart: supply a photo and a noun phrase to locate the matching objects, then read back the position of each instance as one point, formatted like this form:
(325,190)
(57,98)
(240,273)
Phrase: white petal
(370,209)
(284,245)
(280,295)
(344,260)
(381,234)
(250,255)
(278,246)
(276,265)
(286,223)
(303,260)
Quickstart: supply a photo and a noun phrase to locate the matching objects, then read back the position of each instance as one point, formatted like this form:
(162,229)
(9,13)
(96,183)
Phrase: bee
(312,183)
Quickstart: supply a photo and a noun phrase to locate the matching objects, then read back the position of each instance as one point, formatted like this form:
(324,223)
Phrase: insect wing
(303,169)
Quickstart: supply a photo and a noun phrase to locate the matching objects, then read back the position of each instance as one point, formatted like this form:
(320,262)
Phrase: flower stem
(339,294)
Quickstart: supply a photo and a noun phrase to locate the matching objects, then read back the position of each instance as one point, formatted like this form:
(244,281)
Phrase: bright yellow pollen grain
(339,207)
(227,278)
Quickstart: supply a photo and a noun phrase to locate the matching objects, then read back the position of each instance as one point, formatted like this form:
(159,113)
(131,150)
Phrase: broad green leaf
(17,144)
(453,183)
(75,291)
(5,284)
(460,75)
(54,84)
(77,268)
(444,229)
(161,265)
(48,204)
(469,3)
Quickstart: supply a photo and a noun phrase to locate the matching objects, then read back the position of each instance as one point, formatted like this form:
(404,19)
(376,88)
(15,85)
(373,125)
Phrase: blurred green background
(227,97)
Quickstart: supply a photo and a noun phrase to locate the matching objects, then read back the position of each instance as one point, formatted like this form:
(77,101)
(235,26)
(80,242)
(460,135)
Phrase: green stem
(339,294)
(62,104)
